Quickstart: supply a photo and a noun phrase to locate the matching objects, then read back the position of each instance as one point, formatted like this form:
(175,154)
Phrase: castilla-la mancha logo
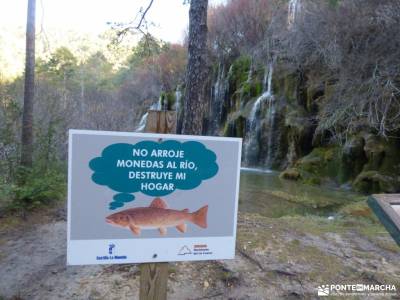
(356,289)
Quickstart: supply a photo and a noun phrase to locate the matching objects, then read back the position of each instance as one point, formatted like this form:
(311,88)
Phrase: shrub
(37,186)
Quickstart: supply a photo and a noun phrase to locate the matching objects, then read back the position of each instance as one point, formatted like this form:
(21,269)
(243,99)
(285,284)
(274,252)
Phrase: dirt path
(284,258)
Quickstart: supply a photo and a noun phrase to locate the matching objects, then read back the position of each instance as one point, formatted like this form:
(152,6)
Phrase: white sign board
(135,197)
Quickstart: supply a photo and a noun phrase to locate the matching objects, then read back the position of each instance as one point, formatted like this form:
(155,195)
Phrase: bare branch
(122,29)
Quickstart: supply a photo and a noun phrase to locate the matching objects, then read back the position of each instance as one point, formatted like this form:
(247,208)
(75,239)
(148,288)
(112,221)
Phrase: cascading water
(251,144)
(178,99)
(143,120)
(142,123)
(218,96)
(293,9)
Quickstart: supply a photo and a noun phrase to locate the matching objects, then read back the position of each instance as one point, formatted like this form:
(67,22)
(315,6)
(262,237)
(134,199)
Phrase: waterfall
(142,123)
(271,119)
(293,9)
(218,96)
(143,119)
(268,79)
(251,144)
(178,99)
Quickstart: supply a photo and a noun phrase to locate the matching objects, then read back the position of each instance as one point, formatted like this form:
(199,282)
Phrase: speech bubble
(153,168)
(120,199)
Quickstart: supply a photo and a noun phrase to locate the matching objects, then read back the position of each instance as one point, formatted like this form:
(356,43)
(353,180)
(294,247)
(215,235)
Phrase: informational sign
(136,197)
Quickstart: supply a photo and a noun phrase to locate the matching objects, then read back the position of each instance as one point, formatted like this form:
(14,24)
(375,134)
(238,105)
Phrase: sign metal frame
(382,206)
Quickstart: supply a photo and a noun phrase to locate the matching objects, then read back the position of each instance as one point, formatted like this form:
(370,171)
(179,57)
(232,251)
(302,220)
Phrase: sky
(170,17)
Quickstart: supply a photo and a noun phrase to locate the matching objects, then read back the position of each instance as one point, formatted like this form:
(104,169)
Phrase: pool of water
(263,192)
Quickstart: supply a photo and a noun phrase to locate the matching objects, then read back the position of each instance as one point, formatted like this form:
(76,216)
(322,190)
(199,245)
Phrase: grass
(300,241)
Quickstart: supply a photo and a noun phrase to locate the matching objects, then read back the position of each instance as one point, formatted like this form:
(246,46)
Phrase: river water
(263,192)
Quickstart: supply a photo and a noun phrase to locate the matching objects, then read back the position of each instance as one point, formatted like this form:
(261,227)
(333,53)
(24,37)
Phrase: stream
(263,192)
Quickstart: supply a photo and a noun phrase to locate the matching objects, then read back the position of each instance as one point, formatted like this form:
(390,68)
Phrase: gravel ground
(285,258)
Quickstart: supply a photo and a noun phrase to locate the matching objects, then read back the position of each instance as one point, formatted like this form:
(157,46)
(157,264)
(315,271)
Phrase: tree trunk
(29,92)
(196,68)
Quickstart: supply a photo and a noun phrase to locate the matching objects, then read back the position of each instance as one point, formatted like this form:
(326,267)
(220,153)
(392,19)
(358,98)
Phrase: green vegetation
(321,164)
(239,70)
(41,186)
(336,101)
(83,88)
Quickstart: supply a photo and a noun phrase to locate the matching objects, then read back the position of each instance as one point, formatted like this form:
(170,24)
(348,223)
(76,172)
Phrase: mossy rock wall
(368,163)
(364,162)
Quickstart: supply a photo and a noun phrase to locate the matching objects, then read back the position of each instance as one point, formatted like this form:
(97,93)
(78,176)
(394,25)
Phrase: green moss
(251,89)
(246,89)
(326,164)
(228,130)
(369,162)
(171,99)
(168,99)
(238,73)
(382,155)
(374,182)
(312,180)
(291,174)
(235,125)
(322,163)
(257,88)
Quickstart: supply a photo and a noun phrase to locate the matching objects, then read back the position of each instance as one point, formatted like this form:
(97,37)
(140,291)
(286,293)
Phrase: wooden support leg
(154,276)
(153,281)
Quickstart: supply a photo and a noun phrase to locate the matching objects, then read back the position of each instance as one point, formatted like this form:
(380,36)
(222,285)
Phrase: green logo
(155,169)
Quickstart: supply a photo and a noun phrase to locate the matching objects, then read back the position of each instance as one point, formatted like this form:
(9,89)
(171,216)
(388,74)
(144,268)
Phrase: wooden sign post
(154,276)
(161,121)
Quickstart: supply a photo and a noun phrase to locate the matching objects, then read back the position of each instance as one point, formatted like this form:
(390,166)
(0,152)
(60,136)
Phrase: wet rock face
(374,182)
(367,162)
(375,149)
(353,157)
(300,132)
(275,111)
(381,169)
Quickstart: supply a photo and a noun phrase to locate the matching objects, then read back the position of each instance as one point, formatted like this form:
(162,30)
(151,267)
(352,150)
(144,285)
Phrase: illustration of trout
(158,216)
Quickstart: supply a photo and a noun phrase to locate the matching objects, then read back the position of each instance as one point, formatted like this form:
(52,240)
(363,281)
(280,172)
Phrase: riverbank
(286,257)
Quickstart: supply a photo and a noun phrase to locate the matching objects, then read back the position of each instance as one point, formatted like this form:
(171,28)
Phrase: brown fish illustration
(157,215)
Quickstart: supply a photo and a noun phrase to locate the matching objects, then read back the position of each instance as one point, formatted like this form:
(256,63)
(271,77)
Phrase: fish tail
(200,217)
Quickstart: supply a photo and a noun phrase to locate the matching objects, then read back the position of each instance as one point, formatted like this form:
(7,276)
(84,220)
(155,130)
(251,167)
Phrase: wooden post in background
(161,121)
(154,276)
